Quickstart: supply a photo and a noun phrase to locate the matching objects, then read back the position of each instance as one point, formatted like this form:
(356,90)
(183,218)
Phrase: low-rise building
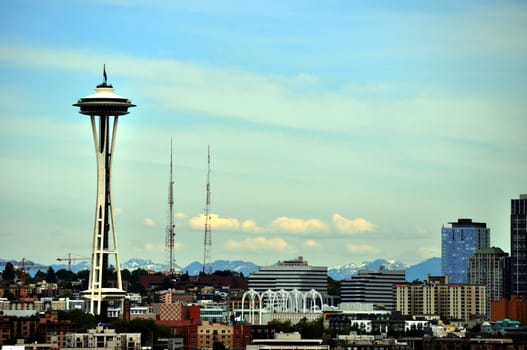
(103,338)
(287,341)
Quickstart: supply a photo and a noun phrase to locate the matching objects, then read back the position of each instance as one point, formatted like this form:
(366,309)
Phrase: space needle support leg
(94,256)
(114,231)
(100,239)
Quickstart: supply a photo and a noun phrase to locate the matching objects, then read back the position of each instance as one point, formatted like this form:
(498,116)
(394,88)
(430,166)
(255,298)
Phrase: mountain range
(414,272)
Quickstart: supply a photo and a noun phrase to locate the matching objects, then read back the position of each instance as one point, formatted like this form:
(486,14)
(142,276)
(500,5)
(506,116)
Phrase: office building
(372,287)
(488,267)
(458,245)
(519,245)
(289,275)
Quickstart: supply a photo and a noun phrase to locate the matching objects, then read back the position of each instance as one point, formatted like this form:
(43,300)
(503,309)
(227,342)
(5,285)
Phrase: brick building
(514,308)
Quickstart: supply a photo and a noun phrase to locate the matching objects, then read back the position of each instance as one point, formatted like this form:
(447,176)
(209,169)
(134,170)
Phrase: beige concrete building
(208,333)
(103,338)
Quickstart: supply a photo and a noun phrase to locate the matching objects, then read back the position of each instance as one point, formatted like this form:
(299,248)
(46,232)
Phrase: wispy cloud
(259,244)
(180,215)
(311,244)
(429,252)
(362,249)
(345,225)
(160,247)
(279,105)
(296,225)
(252,227)
(216,222)
(149,222)
(154,247)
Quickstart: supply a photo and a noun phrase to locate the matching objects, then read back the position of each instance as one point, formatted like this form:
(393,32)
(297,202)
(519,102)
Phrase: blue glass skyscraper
(458,245)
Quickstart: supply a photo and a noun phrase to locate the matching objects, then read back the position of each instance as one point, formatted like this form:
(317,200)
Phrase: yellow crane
(69,259)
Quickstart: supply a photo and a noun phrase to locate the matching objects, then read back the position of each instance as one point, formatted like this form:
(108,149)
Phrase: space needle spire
(104,108)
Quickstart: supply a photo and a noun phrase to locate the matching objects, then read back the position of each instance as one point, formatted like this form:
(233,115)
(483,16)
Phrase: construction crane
(23,268)
(69,259)
(23,287)
(207,264)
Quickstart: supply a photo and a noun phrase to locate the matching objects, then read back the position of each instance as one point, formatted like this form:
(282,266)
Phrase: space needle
(104,108)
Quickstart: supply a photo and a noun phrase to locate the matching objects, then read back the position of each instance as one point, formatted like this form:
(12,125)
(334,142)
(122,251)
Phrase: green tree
(333,286)
(83,274)
(64,275)
(133,282)
(40,276)
(218,346)
(81,319)
(126,274)
(8,295)
(150,332)
(281,326)
(51,277)
(310,329)
(9,272)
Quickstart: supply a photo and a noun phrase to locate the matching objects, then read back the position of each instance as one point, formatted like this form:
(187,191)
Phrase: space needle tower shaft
(104,108)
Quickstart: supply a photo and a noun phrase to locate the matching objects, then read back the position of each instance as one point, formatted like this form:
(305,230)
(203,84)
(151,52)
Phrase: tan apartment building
(437,297)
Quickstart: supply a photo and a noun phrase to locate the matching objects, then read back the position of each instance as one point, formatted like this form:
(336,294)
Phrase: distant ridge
(414,272)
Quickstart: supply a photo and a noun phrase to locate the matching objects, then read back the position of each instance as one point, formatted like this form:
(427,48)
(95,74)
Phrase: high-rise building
(289,275)
(518,259)
(458,245)
(488,266)
(372,287)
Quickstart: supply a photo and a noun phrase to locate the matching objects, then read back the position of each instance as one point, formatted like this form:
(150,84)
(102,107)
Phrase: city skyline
(338,131)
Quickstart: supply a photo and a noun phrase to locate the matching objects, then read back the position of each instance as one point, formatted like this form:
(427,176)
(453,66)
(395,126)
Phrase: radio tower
(170,234)
(207,264)
(107,106)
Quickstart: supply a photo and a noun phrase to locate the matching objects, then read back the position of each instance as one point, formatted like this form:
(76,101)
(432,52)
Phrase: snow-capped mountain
(418,271)
(244,267)
(136,263)
(343,272)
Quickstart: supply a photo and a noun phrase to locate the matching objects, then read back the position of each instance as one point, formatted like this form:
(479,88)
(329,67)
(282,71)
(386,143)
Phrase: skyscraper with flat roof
(488,267)
(519,245)
(458,245)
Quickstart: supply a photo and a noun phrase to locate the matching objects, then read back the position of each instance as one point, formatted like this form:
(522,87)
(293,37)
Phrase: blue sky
(341,131)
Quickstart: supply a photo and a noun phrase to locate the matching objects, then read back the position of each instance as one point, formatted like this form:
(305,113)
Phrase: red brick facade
(514,309)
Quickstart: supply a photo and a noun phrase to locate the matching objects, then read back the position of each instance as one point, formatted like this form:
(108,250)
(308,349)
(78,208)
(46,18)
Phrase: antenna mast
(207,264)
(170,225)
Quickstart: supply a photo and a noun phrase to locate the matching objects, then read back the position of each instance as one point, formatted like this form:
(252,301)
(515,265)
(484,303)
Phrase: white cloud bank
(216,222)
(295,225)
(286,225)
(345,225)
